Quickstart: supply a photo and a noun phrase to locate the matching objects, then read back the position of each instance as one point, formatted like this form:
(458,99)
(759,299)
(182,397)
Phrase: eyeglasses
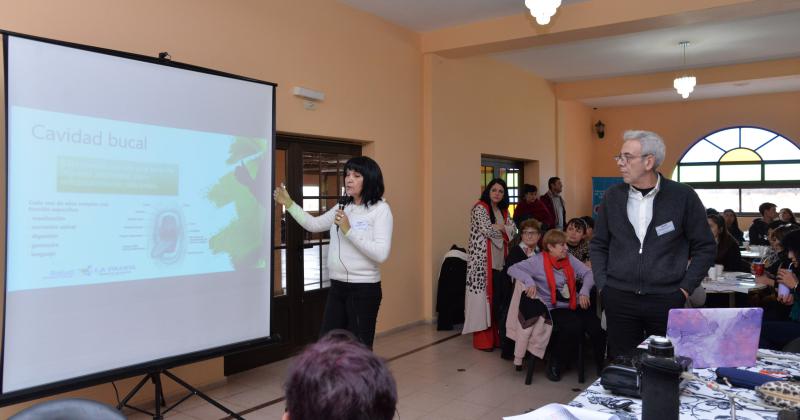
(530,232)
(625,158)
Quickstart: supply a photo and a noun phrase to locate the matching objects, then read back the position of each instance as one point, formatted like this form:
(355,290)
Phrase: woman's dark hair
(372,190)
(503,204)
(791,242)
(720,222)
(579,224)
(338,378)
(528,188)
(589,221)
(733,213)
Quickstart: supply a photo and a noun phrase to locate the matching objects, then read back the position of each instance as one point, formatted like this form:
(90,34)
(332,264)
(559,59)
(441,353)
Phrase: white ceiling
(741,41)
(427,15)
(712,44)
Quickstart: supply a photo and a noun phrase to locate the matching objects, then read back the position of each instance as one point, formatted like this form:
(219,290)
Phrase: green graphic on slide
(243,238)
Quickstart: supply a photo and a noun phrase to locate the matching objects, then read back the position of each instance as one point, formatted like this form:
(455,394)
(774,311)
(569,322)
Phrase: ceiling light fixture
(542,10)
(684,84)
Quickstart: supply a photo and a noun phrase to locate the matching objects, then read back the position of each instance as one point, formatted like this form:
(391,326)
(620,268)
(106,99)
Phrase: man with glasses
(651,246)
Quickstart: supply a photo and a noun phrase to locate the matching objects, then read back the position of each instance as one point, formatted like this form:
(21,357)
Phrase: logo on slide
(168,241)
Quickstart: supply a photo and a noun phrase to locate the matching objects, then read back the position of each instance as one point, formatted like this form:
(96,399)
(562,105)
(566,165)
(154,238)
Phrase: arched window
(741,167)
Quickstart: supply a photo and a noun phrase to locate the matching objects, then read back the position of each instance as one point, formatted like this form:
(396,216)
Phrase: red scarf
(549,263)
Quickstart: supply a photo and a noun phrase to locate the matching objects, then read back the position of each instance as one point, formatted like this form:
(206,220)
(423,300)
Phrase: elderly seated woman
(551,276)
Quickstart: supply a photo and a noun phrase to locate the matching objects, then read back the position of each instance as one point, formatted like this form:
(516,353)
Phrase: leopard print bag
(780,394)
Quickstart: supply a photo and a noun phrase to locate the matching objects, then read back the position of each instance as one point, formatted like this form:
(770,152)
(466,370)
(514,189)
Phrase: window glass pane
(511,208)
(312,267)
(740,155)
(739,173)
(512,179)
(753,138)
(704,173)
(782,172)
(719,198)
(779,149)
(330,168)
(513,194)
(726,139)
(279,273)
(782,197)
(702,151)
(674,176)
(310,205)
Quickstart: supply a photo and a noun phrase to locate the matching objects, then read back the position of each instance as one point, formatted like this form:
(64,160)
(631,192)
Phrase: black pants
(568,328)
(502,290)
(630,318)
(353,307)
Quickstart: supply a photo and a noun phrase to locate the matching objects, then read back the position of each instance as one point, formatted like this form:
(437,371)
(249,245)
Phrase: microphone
(342,201)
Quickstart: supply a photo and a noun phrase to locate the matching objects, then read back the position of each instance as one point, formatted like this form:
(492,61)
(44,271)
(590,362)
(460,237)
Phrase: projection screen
(138,212)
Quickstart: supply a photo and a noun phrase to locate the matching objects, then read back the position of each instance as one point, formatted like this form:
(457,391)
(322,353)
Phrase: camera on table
(657,366)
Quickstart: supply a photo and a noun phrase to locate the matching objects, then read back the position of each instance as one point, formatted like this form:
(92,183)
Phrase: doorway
(311,169)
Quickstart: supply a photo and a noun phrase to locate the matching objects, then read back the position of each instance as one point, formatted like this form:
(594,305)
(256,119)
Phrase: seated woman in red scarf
(551,276)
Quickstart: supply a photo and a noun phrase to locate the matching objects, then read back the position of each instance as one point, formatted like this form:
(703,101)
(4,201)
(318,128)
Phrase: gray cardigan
(677,234)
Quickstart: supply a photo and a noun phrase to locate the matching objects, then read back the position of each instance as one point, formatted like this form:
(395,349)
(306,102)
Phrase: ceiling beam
(588,20)
(653,82)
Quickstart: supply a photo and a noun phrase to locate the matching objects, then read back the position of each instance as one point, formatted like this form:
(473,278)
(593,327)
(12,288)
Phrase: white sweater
(353,257)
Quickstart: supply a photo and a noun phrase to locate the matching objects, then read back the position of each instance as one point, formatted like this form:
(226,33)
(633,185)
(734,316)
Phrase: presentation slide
(138,212)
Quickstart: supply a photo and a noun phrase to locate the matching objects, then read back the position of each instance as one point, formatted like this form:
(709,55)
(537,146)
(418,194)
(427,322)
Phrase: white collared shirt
(640,210)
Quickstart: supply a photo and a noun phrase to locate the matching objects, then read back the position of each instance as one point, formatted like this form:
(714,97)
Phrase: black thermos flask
(661,377)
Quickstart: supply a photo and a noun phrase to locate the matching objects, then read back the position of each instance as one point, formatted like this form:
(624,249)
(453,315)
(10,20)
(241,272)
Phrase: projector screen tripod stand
(159,396)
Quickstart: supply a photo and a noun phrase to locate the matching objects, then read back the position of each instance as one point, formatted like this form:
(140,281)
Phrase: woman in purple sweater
(551,276)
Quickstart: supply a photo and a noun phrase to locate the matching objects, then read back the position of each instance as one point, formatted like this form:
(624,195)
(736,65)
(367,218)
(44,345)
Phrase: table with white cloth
(697,401)
(730,284)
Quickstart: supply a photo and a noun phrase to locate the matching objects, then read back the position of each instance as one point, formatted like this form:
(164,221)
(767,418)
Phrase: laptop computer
(716,337)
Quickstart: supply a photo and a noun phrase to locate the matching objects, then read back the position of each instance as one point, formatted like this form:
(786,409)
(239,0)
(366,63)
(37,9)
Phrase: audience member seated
(576,240)
(338,378)
(552,277)
(759,230)
(728,253)
(589,228)
(533,207)
(767,297)
(786,216)
(732,222)
(519,335)
(776,334)
(530,231)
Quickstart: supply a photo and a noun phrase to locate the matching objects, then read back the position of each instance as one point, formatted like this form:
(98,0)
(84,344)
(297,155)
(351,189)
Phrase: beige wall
(575,143)
(370,71)
(477,106)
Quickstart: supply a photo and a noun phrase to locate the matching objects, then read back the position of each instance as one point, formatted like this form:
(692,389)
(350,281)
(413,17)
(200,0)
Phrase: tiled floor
(448,379)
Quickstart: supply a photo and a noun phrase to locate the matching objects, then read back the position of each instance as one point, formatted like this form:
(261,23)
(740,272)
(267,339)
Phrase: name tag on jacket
(665,228)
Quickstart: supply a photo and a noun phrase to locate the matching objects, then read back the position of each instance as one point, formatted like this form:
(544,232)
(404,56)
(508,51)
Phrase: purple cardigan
(531,272)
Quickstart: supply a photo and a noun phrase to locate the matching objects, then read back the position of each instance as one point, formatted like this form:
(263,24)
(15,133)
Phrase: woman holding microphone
(361,237)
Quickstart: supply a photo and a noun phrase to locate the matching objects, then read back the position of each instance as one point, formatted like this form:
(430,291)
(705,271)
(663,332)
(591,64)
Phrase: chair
(69,409)
(532,362)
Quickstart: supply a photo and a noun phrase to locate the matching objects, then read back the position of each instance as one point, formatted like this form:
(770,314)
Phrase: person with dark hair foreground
(775,335)
(490,232)
(361,237)
(338,378)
